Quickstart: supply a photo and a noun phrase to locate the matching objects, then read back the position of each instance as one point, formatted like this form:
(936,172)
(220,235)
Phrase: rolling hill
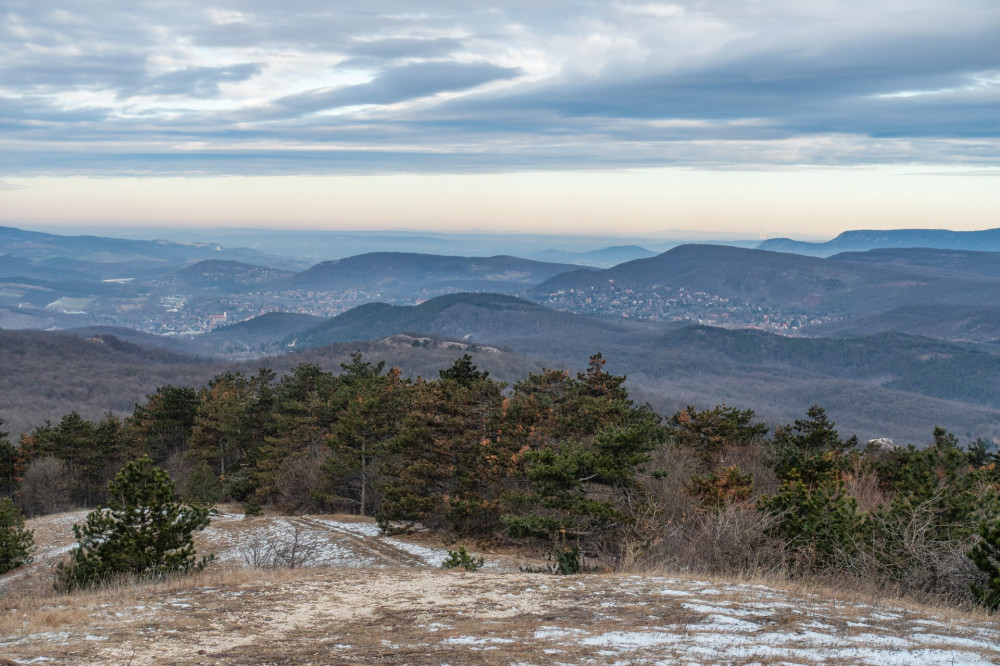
(94,371)
(48,374)
(409,276)
(256,336)
(863,240)
(223,275)
(946,262)
(33,292)
(943,321)
(478,318)
(881,385)
(727,278)
(13,266)
(731,271)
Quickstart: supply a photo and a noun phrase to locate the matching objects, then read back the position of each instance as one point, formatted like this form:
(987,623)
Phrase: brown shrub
(300,482)
(178,467)
(46,488)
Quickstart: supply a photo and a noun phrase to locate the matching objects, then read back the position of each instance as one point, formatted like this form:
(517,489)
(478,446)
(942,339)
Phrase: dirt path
(376,545)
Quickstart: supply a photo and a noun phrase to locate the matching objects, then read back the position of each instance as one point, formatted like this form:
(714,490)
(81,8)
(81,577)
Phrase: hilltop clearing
(374,599)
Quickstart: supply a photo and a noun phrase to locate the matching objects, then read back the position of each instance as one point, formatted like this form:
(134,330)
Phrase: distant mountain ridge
(603,258)
(862,240)
(108,257)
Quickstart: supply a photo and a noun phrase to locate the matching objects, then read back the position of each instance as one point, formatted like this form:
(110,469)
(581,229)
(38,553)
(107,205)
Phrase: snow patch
(472,640)
(630,639)
(726,623)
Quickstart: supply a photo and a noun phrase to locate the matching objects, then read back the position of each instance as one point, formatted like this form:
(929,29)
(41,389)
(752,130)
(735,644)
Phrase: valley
(892,341)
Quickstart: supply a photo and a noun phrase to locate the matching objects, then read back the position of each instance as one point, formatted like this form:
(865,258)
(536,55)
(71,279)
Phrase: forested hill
(94,371)
(864,240)
(952,262)
(728,271)
(13,266)
(478,318)
(964,373)
(255,337)
(944,321)
(48,374)
(843,287)
(227,275)
(874,385)
(402,274)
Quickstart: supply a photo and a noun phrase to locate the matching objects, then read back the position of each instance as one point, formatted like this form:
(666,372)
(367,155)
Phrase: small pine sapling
(462,559)
(16,541)
(143,531)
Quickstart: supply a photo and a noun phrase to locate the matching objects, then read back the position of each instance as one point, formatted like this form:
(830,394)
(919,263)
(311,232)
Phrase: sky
(742,116)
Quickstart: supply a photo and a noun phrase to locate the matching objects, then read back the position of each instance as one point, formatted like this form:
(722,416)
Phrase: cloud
(255,86)
(87,71)
(197,81)
(397,84)
(405,47)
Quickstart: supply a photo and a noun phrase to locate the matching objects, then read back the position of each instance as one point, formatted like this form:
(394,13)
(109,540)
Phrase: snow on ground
(357,528)
(428,556)
(368,597)
(324,541)
(256,540)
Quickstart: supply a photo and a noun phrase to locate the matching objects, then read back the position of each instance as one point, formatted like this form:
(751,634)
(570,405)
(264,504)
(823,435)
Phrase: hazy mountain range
(987,240)
(892,341)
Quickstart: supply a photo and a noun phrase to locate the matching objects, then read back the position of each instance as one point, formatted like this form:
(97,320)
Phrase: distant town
(680,304)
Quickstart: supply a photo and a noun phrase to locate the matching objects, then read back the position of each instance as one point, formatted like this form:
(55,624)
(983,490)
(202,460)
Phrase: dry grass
(419,614)
(226,615)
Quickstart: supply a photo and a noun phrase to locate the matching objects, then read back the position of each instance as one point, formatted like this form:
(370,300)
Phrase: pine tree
(13,461)
(819,522)
(581,490)
(305,408)
(163,424)
(978,453)
(463,372)
(444,467)
(16,541)
(231,425)
(709,432)
(372,410)
(584,443)
(203,487)
(91,451)
(143,531)
(986,556)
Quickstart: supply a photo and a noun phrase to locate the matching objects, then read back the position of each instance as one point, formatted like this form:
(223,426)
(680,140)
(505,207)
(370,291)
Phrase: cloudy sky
(797,117)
